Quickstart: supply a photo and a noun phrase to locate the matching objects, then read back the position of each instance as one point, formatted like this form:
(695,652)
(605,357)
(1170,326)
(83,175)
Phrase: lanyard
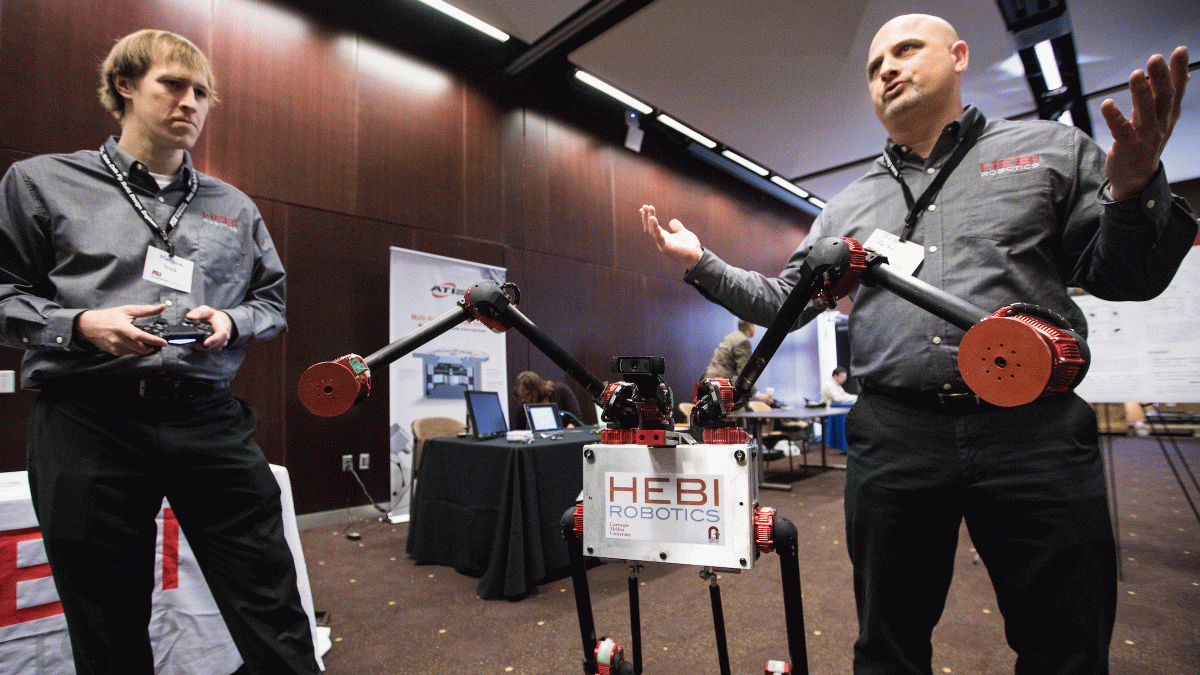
(163,234)
(918,206)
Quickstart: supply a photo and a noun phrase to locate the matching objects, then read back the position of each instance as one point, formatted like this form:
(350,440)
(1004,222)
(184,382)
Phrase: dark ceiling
(782,81)
(779,81)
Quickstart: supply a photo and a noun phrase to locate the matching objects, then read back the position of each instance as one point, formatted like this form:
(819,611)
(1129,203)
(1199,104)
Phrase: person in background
(732,353)
(531,388)
(95,245)
(1026,210)
(832,394)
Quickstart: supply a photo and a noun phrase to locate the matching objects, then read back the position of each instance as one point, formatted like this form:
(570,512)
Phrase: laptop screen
(485,415)
(543,416)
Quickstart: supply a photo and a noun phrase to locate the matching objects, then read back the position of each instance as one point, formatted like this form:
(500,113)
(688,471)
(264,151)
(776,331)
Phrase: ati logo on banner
(681,508)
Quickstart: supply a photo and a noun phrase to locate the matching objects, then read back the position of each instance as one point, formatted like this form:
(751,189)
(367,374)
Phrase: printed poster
(431,381)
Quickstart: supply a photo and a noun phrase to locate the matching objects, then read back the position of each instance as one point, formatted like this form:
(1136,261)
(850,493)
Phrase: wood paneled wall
(350,147)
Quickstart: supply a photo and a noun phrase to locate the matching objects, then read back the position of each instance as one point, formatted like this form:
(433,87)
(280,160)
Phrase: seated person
(531,388)
(832,394)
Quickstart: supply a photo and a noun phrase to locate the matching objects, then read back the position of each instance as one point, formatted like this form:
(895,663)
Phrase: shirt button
(168,303)
(947,386)
(932,249)
(937,340)
(929,170)
(933,207)
(161,199)
(1150,204)
(58,339)
(25,340)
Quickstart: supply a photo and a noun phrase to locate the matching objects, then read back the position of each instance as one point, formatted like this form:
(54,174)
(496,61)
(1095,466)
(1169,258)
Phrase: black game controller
(185,332)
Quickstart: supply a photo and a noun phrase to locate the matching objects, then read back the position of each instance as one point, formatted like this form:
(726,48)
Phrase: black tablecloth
(491,509)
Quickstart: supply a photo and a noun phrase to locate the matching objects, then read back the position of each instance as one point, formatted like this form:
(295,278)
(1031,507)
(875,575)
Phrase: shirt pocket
(1008,208)
(222,253)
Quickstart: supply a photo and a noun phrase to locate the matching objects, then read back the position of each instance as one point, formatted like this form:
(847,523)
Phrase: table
(186,629)
(491,509)
(759,418)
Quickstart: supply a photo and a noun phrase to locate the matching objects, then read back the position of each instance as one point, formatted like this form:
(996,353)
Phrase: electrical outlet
(364,461)
(347,462)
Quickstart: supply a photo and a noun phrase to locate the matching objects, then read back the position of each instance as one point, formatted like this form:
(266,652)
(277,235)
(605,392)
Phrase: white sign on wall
(1146,351)
(430,381)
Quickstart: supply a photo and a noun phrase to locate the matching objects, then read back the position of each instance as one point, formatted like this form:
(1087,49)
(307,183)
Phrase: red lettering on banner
(11,575)
(170,551)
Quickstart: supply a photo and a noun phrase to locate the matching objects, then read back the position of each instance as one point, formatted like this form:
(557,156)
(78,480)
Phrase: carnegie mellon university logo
(1002,167)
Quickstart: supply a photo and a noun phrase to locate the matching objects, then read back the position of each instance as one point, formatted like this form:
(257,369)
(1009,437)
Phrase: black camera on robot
(639,365)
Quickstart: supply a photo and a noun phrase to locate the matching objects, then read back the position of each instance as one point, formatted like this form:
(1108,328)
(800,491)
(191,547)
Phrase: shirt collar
(136,172)
(952,135)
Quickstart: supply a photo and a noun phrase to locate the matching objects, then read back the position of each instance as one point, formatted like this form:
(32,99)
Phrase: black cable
(572,416)
(364,489)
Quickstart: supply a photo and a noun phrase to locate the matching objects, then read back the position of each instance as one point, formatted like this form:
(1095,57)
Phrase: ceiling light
(789,186)
(471,21)
(1049,64)
(729,154)
(612,91)
(687,131)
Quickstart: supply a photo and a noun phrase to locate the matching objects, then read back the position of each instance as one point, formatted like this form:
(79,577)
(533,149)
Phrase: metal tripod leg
(714,594)
(635,617)
(787,545)
(583,596)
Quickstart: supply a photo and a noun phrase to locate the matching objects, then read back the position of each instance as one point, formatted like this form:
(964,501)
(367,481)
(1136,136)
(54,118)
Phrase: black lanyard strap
(918,206)
(163,233)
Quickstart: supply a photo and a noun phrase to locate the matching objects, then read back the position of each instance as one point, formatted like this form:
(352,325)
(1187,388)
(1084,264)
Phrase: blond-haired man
(95,246)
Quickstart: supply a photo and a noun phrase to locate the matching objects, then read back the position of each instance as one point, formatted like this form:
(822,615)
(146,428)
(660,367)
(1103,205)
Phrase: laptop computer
(543,417)
(485,417)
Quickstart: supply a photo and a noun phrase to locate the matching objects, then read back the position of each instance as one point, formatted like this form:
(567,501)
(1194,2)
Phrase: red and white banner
(187,632)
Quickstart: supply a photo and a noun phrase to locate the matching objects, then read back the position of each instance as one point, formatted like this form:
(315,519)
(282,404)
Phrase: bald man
(1026,210)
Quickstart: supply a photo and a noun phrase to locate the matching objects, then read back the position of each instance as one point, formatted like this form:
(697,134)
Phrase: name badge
(167,270)
(906,256)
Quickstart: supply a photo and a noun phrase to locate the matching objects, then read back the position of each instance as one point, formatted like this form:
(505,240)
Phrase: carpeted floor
(389,615)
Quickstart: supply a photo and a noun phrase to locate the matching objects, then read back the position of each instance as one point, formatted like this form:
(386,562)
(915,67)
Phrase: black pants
(1029,482)
(99,466)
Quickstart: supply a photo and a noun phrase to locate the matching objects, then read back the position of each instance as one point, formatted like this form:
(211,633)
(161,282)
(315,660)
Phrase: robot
(654,495)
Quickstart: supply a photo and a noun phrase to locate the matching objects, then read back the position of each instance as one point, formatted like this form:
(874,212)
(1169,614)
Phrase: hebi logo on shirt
(214,219)
(1008,165)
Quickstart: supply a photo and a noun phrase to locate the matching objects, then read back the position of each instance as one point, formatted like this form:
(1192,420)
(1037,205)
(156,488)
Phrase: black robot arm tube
(516,319)
(417,338)
(934,300)
(830,256)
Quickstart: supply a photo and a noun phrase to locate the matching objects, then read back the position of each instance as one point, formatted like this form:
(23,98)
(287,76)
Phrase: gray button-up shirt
(71,241)
(1021,219)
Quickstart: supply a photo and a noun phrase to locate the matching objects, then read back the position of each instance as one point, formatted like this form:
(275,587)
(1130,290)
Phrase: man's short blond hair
(133,55)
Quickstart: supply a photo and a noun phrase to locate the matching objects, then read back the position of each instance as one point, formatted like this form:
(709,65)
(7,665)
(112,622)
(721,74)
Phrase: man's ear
(124,86)
(961,56)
